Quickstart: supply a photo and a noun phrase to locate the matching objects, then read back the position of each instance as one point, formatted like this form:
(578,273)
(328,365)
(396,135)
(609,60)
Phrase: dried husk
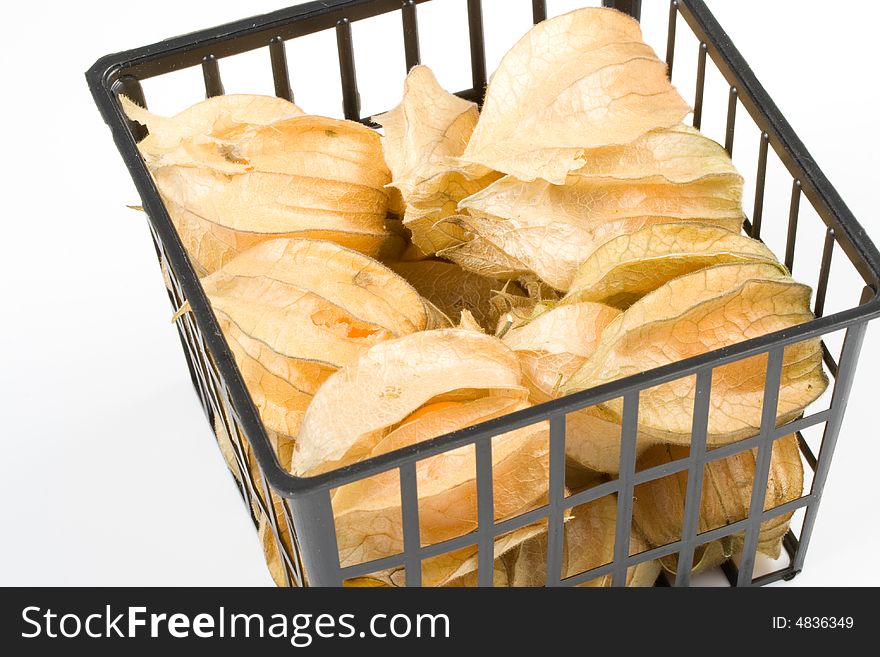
(591,82)
(589,543)
(623,270)
(392,380)
(233,182)
(226,447)
(294,311)
(551,229)
(423,137)
(271,547)
(367,512)
(271,552)
(403,392)
(453,290)
(665,176)
(697,313)
(658,510)
(219,216)
(469,323)
(283,448)
(552,345)
(173,140)
(678,155)
(592,439)
(458,568)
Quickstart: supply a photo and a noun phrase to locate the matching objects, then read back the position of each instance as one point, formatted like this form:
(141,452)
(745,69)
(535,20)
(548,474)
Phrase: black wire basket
(300,527)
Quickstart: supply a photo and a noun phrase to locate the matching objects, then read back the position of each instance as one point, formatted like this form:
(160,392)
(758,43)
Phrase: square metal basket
(302,527)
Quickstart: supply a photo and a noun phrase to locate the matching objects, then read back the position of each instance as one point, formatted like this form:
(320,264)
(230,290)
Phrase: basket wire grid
(302,527)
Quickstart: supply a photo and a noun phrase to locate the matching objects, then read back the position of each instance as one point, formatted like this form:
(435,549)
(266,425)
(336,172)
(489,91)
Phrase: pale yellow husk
(405,391)
(453,290)
(367,513)
(423,137)
(237,170)
(551,229)
(393,379)
(294,311)
(624,269)
(458,568)
(658,510)
(552,346)
(578,81)
(697,313)
(665,176)
(589,537)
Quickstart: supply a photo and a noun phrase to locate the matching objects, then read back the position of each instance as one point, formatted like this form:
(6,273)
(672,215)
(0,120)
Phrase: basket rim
(151,60)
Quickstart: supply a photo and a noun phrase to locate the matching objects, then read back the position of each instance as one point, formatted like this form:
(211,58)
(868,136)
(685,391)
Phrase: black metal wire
(730,130)
(410,34)
(280,75)
(478,45)
(409,505)
(211,74)
(555,537)
(701,85)
(793,213)
(485,512)
(760,182)
(694,491)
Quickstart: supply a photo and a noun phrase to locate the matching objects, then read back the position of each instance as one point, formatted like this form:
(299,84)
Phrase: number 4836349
(824,622)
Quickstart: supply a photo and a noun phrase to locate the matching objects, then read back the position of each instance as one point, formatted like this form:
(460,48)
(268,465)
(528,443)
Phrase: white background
(110,474)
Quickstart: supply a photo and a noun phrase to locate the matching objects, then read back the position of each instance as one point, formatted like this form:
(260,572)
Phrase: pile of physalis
(378,290)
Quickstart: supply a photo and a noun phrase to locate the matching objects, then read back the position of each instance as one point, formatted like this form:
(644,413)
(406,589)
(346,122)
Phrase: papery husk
(271,552)
(219,216)
(393,379)
(434,203)
(664,176)
(578,81)
(677,155)
(706,557)
(226,447)
(469,323)
(552,345)
(423,136)
(428,126)
(458,568)
(271,547)
(281,445)
(474,253)
(406,391)
(173,138)
(658,510)
(452,289)
(280,403)
(589,543)
(234,181)
(623,270)
(294,311)
(697,313)
(592,439)
(367,512)
(283,448)
(551,229)
(579,477)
